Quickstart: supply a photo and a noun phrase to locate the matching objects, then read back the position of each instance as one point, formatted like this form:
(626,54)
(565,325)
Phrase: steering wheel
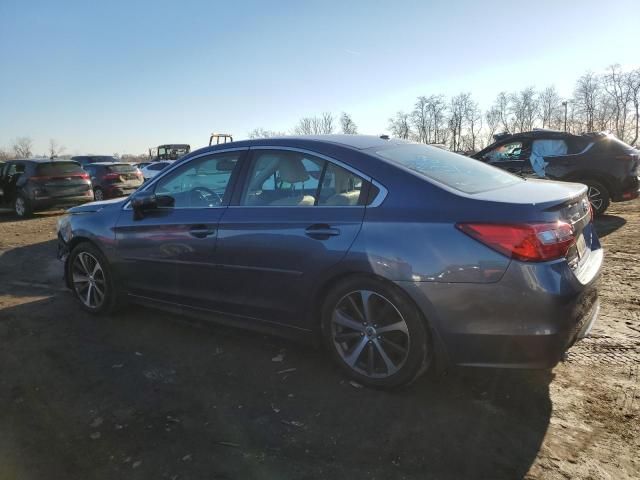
(203,194)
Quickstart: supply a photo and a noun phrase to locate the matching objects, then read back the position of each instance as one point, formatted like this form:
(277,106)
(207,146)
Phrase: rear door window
(340,187)
(461,173)
(283,179)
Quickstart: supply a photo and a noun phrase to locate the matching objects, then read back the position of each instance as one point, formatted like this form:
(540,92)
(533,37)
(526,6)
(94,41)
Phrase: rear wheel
(98,194)
(22,207)
(598,196)
(375,333)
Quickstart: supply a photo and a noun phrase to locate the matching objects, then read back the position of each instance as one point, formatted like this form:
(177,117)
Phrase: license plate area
(581,246)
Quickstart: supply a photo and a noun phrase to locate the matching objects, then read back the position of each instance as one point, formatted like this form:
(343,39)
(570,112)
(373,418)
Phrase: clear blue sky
(120,76)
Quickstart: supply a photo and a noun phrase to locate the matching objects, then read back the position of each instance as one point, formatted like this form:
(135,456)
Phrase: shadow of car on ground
(607,224)
(92,396)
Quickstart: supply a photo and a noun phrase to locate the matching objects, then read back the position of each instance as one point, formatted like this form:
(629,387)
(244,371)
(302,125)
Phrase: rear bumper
(526,320)
(630,191)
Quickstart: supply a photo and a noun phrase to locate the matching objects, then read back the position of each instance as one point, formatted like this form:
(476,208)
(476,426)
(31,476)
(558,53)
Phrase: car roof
(358,142)
(41,160)
(108,164)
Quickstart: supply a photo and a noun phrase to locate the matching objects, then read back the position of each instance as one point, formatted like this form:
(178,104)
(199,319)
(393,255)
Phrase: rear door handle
(201,231)
(321,231)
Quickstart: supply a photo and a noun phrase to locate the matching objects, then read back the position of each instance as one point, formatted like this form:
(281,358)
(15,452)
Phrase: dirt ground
(146,394)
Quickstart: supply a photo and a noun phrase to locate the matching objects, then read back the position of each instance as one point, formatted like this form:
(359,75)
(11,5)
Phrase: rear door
(13,176)
(168,254)
(512,156)
(296,216)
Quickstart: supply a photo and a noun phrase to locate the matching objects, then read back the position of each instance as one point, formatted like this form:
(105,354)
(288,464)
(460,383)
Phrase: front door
(168,254)
(512,157)
(296,217)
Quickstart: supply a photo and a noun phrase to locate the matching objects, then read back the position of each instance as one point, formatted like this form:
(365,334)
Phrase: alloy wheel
(20,207)
(595,197)
(88,280)
(98,195)
(370,334)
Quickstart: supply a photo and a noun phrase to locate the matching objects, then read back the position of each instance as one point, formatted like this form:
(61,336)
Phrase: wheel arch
(440,354)
(73,243)
(585,176)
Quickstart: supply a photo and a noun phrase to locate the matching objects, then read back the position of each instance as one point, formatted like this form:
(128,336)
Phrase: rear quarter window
(456,171)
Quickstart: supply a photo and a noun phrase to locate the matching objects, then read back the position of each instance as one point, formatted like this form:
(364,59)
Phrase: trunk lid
(546,201)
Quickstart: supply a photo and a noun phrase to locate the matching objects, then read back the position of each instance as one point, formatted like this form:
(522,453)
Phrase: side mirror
(145,201)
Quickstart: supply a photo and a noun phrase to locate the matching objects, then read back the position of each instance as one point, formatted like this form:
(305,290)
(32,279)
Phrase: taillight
(112,176)
(533,242)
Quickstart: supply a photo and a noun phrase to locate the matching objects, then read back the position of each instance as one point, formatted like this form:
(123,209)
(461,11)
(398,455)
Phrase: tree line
(607,101)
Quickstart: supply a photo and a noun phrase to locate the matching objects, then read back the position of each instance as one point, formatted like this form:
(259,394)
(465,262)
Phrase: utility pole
(564,104)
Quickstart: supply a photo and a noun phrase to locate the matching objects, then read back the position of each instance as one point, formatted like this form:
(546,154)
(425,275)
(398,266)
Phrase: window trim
(382,193)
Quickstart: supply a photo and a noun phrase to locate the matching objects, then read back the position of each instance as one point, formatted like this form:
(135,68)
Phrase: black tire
(88,252)
(22,206)
(374,370)
(599,196)
(98,194)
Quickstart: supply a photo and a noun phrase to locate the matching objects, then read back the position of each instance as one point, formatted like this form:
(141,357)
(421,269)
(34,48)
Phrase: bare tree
(549,101)
(5,155)
(315,125)
(55,149)
(616,86)
(262,133)
(400,126)
(347,124)
(633,80)
(421,119)
(473,120)
(524,108)
(438,112)
(326,124)
(22,147)
(502,106)
(492,119)
(586,96)
(457,109)
(305,126)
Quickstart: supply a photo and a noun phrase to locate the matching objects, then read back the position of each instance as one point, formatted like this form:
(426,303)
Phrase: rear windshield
(456,171)
(121,168)
(58,168)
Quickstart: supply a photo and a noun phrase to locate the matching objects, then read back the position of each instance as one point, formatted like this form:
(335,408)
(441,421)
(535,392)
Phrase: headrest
(292,170)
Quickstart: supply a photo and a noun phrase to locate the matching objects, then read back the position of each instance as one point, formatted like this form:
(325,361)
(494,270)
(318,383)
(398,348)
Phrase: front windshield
(451,169)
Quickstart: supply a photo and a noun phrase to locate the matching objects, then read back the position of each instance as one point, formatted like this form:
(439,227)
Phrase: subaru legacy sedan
(399,256)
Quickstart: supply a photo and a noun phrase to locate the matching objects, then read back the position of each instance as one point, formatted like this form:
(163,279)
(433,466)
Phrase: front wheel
(98,194)
(90,279)
(375,333)
(598,196)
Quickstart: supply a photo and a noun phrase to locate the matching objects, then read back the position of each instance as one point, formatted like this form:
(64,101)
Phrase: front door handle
(201,231)
(321,231)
